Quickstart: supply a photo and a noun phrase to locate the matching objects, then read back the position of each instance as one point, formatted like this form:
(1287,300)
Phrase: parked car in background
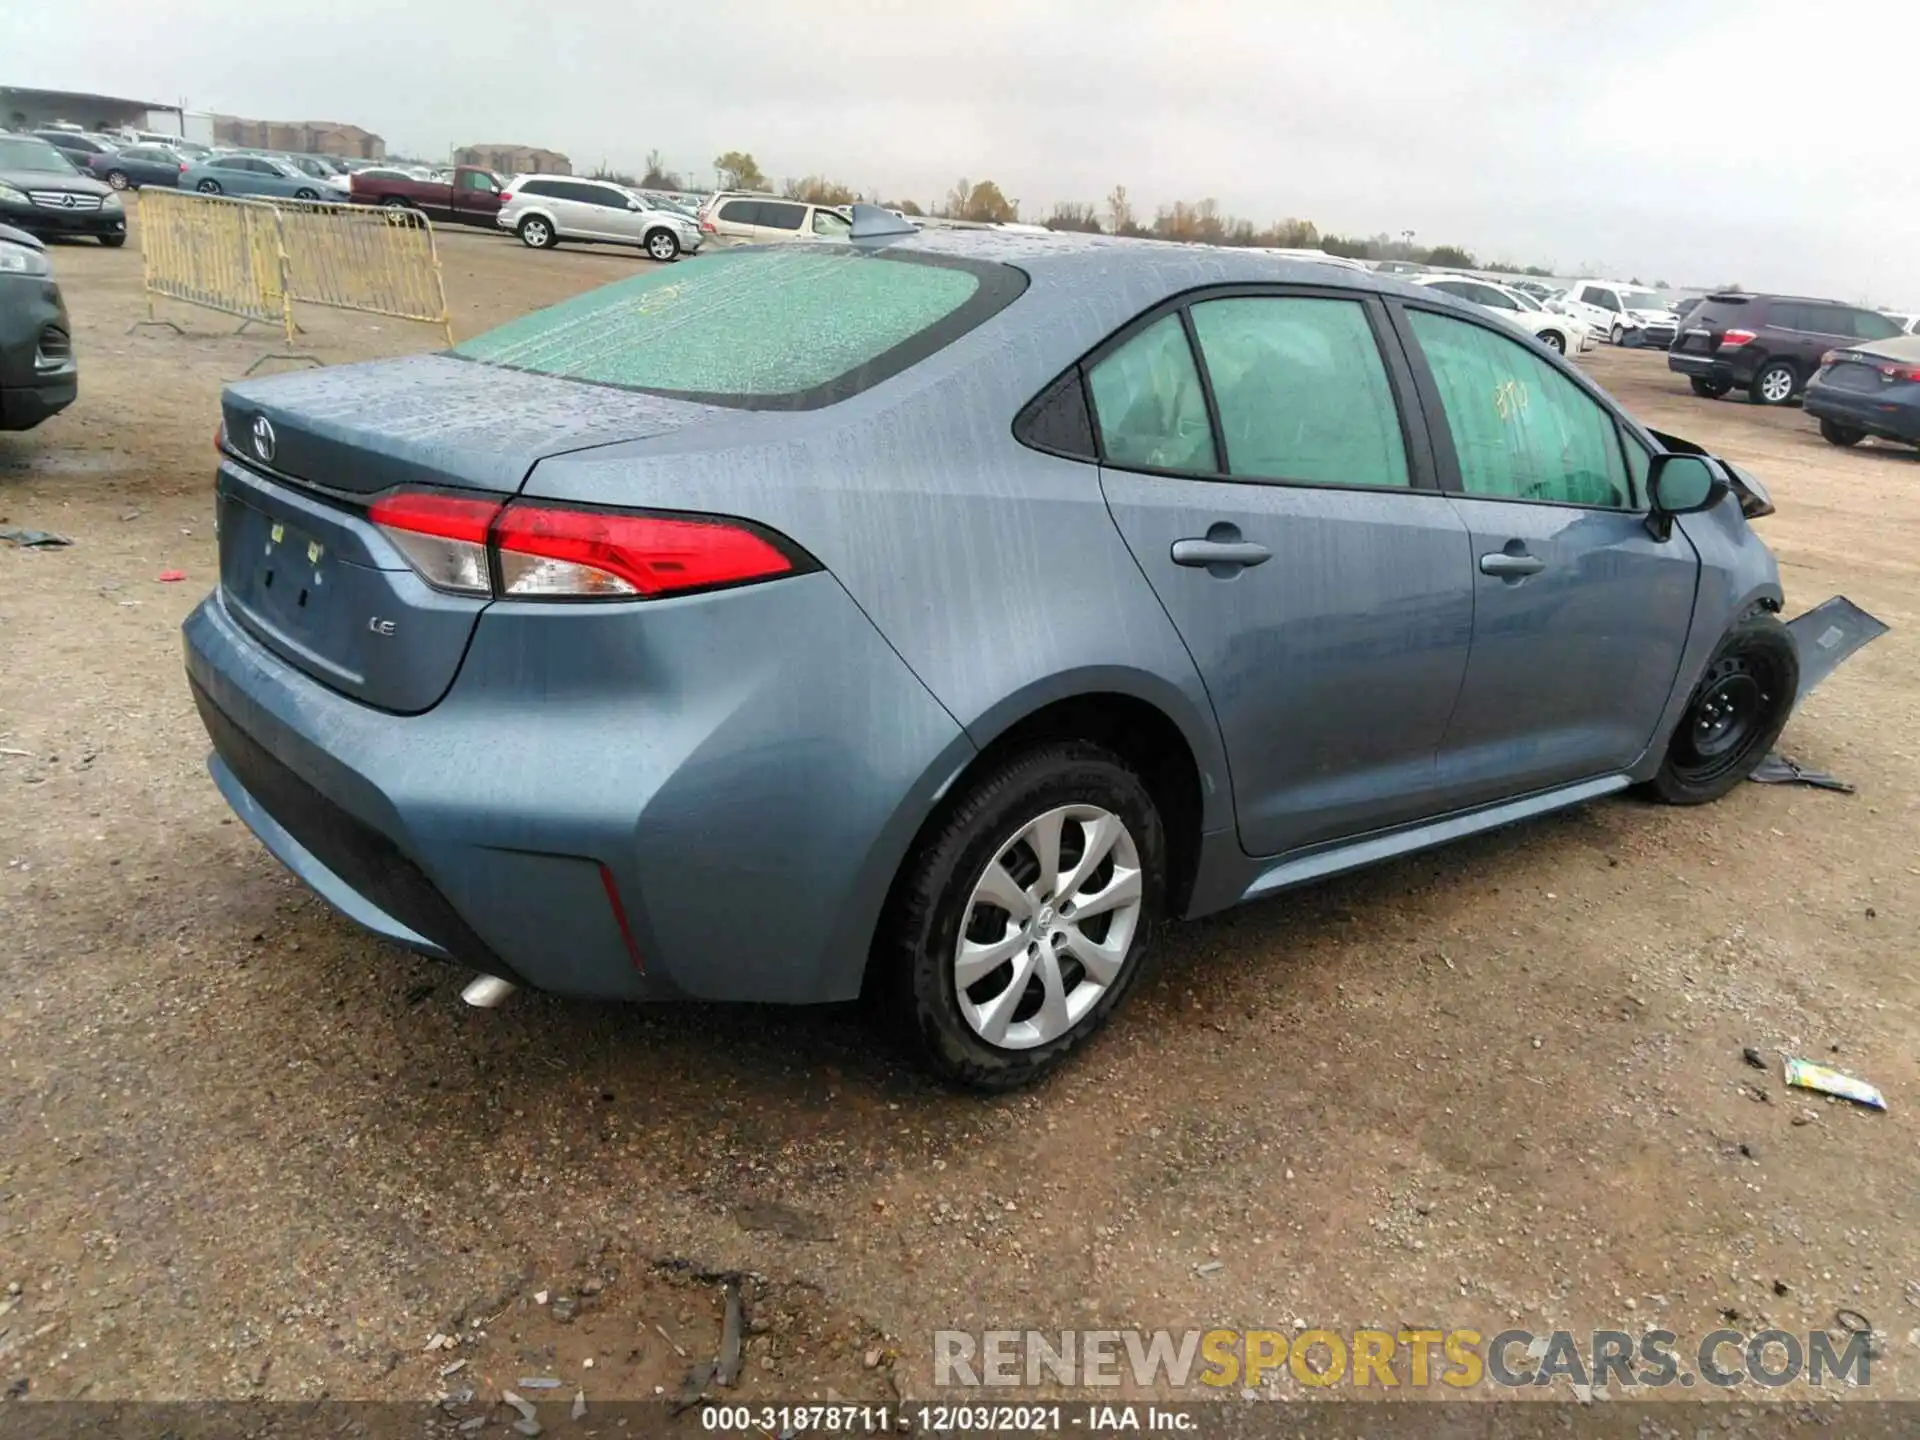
(78,145)
(43,193)
(335,183)
(1870,388)
(1909,324)
(543,210)
(38,377)
(1683,308)
(252,175)
(1537,289)
(1402,267)
(471,196)
(1623,314)
(1768,345)
(139,165)
(1560,333)
(776,528)
(733,218)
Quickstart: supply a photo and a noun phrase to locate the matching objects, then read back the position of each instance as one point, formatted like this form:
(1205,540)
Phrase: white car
(543,210)
(735,217)
(1557,332)
(1625,314)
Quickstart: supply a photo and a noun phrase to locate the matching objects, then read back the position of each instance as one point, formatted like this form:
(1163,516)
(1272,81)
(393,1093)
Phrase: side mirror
(1682,485)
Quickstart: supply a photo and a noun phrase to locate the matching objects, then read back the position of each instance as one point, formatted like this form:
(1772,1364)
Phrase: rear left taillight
(505,196)
(1734,339)
(706,226)
(524,551)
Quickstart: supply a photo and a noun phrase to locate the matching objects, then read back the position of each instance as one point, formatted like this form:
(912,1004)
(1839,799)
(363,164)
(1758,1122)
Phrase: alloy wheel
(661,246)
(117,180)
(1776,386)
(1048,927)
(535,233)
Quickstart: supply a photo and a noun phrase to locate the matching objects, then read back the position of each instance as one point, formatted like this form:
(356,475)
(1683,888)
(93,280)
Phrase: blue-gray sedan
(1872,388)
(927,617)
(251,175)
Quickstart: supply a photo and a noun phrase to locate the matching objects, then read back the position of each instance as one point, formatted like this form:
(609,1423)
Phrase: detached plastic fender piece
(1827,635)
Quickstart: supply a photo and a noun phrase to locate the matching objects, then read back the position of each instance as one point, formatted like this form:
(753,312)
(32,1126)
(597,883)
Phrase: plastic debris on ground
(1779,770)
(35,539)
(1809,1076)
(167,577)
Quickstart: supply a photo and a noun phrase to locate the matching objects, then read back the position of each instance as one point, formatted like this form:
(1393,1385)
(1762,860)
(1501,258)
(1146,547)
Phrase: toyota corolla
(927,617)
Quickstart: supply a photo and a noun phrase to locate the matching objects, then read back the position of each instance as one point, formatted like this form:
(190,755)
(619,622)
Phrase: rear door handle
(1509,566)
(1202,554)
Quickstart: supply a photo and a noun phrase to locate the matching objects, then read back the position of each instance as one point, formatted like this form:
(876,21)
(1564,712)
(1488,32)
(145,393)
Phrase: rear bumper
(1863,411)
(24,406)
(705,801)
(28,393)
(1703,367)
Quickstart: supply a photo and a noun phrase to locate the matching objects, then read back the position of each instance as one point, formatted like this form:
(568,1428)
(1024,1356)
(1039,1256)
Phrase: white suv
(543,210)
(1625,314)
(734,218)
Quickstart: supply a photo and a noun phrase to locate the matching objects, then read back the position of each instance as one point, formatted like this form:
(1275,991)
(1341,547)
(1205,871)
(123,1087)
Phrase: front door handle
(1204,554)
(1509,566)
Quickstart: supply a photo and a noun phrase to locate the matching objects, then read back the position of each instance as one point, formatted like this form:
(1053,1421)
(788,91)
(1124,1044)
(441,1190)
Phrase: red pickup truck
(472,198)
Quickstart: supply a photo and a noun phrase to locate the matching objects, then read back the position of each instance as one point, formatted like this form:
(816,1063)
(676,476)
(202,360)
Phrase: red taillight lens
(220,438)
(1829,357)
(1734,339)
(1900,372)
(183,167)
(589,554)
(706,227)
(544,552)
(444,537)
(505,196)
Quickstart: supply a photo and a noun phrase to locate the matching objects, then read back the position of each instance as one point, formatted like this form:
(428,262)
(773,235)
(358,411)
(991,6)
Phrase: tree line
(1197,221)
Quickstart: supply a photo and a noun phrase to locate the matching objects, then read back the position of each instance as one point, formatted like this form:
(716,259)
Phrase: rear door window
(779,329)
(1301,390)
(740,212)
(781,215)
(1869,325)
(1148,405)
(1521,430)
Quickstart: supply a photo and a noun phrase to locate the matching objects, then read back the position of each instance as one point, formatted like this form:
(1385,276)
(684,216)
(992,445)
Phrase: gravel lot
(246,1151)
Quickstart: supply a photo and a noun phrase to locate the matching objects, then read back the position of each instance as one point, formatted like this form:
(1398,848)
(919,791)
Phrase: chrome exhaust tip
(485,992)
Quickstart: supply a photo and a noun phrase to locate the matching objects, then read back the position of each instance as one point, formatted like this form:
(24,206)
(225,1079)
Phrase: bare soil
(246,1151)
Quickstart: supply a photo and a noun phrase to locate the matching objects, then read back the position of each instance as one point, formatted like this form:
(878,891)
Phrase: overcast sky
(1699,143)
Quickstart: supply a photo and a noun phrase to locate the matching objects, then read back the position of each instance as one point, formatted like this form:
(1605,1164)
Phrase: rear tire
(208,187)
(1709,389)
(1554,341)
(394,202)
(1774,384)
(663,245)
(305,194)
(1841,435)
(943,923)
(118,179)
(537,233)
(1734,715)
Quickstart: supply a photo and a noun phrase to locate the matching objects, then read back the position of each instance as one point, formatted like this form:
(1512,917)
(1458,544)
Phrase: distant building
(307,137)
(514,159)
(35,109)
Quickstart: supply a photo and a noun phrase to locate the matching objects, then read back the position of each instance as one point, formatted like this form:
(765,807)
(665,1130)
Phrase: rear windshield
(776,329)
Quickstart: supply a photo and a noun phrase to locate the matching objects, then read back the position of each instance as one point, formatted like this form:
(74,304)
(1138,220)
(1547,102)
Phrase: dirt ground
(247,1151)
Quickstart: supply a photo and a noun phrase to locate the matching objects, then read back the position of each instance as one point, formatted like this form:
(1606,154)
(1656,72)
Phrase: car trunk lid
(305,569)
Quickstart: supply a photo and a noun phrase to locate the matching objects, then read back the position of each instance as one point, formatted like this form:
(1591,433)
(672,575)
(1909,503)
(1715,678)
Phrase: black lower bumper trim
(360,855)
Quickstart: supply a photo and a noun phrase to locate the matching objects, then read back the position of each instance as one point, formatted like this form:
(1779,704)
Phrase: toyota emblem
(263,439)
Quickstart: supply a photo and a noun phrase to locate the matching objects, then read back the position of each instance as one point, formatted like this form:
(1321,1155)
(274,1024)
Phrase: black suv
(1769,345)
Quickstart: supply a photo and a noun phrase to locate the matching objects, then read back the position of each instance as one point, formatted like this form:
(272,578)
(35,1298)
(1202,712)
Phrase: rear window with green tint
(776,329)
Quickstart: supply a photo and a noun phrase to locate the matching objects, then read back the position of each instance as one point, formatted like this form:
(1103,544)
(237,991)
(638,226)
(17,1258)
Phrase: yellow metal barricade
(254,258)
(222,254)
(374,259)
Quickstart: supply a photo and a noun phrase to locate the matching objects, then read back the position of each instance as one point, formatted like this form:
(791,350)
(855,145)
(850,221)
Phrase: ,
(925,617)
(38,377)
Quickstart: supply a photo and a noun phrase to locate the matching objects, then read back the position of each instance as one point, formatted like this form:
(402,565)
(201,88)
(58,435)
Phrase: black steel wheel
(1734,715)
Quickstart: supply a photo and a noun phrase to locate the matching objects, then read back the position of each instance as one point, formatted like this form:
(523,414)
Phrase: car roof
(1748,296)
(1066,257)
